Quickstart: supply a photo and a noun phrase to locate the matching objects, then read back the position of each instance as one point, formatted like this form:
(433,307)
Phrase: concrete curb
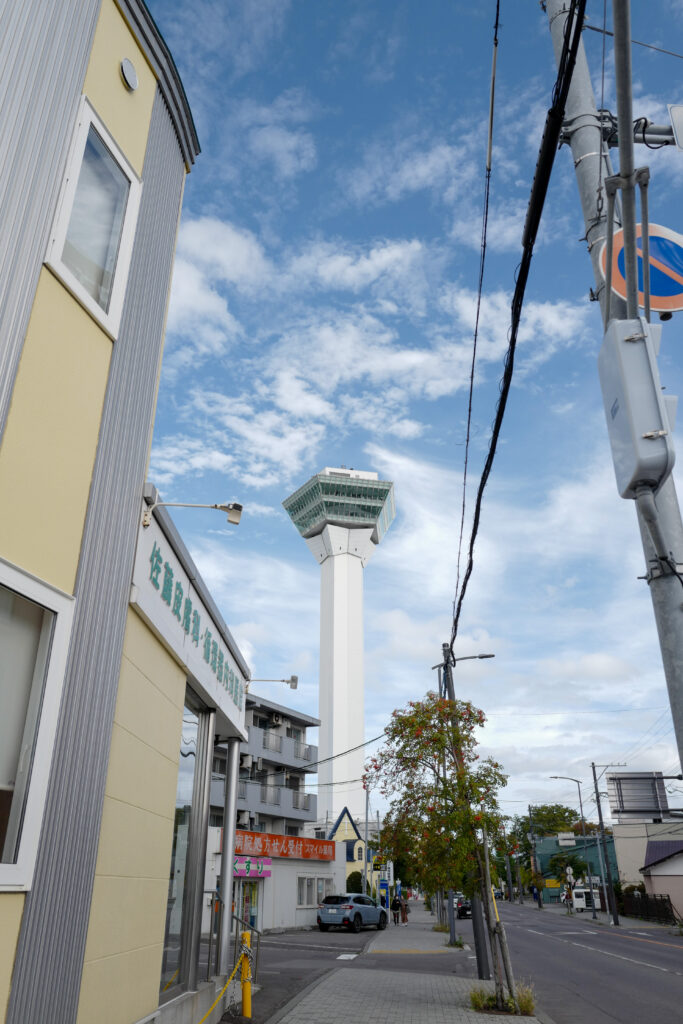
(295,1000)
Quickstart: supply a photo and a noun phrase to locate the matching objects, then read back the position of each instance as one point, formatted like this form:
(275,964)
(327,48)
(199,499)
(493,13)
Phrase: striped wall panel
(44,50)
(47,973)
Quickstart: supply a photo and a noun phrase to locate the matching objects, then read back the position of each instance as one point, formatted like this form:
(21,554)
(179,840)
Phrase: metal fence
(650,908)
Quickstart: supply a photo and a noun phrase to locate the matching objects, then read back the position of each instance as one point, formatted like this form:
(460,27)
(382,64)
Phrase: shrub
(354,883)
(526,999)
(479,999)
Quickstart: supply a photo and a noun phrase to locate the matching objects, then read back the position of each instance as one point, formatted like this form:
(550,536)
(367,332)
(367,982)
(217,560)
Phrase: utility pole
(365,853)
(534,860)
(483,969)
(659,516)
(608,870)
(519,880)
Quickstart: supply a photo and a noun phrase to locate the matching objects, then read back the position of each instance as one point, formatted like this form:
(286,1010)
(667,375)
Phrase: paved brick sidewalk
(392,996)
(387,997)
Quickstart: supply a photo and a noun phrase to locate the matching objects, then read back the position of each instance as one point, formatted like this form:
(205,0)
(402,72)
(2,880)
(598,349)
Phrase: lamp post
(232,509)
(583,831)
(446,683)
(292,682)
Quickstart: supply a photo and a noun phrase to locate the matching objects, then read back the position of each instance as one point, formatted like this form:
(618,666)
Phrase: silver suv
(350,910)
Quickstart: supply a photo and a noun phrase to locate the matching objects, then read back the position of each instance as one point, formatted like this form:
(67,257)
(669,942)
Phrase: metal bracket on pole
(615,182)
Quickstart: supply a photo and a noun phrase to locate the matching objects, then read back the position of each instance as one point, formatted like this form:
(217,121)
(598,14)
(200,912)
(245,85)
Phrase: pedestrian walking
(395,908)
(404,912)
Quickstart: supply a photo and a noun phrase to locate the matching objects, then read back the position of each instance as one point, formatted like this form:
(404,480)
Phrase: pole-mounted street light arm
(233,510)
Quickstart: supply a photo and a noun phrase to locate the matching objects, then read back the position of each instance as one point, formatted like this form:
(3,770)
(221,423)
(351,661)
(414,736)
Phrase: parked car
(350,910)
(463,906)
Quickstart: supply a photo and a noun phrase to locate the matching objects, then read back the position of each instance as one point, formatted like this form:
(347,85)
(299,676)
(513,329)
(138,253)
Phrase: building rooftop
(254,701)
(342,497)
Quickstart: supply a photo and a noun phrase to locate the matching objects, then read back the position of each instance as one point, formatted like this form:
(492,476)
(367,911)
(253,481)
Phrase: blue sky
(322,314)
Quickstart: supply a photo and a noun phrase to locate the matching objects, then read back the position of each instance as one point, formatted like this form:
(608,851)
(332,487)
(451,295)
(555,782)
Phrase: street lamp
(448,661)
(583,830)
(233,510)
(477,914)
(292,682)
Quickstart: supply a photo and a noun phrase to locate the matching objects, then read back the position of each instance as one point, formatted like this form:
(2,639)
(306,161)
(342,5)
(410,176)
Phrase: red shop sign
(264,844)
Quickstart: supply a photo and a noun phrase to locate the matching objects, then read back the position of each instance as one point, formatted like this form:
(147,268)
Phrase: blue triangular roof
(345,811)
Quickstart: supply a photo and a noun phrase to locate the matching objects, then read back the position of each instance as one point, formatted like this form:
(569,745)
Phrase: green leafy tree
(440,792)
(559,862)
(354,882)
(548,819)
(441,795)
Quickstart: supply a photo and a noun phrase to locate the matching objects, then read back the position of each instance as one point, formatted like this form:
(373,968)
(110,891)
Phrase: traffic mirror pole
(584,127)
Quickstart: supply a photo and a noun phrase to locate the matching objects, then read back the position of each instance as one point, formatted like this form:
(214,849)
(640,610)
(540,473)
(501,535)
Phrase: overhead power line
(480,286)
(636,42)
(539,188)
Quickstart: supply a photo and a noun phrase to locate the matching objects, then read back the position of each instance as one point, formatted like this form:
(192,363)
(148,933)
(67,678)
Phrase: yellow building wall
(122,964)
(11,909)
(49,444)
(126,114)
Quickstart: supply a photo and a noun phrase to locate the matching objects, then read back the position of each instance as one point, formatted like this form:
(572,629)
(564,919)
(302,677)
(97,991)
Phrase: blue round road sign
(666,267)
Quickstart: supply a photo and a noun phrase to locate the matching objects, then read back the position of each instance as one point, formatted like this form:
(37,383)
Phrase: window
(322,888)
(359,853)
(92,239)
(35,624)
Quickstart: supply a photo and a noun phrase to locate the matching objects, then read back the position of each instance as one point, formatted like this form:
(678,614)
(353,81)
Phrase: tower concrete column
(342,515)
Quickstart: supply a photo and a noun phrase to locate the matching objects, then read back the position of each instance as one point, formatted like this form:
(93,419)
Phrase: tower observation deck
(342,514)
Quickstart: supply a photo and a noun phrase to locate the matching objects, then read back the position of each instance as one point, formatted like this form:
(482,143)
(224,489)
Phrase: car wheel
(382,923)
(323,927)
(356,924)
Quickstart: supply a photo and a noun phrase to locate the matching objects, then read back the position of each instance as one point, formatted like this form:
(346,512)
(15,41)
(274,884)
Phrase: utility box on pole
(635,409)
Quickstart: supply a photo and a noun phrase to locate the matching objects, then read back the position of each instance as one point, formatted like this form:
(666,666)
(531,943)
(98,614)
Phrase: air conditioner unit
(277,718)
(243,819)
(246,760)
(259,764)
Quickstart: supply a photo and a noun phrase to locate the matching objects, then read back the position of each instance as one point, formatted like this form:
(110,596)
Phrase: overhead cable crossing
(539,188)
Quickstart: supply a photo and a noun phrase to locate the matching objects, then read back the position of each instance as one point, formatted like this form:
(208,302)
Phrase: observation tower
(342,514)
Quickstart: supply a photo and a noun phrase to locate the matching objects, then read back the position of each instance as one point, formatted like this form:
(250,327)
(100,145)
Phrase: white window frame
(18,877)
(109,319)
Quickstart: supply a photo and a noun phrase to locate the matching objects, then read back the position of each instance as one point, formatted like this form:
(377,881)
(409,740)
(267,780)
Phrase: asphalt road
(595,974)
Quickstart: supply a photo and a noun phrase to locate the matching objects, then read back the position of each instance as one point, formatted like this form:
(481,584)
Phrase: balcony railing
(301,800)
(272,742)
(270,795)
(302,750)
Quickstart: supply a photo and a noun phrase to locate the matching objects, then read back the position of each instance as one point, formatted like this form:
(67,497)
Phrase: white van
(583,901)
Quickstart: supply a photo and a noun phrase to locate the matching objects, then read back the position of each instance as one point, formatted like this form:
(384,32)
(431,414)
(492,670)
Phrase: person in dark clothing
(395,908)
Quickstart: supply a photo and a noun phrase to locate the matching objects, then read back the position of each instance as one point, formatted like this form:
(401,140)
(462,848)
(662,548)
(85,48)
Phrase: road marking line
(534,932)
(583,931)
(298,945)
(618,956)
(347,956)
(653,942)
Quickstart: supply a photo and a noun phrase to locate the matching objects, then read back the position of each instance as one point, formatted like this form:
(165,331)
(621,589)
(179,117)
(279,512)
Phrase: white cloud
(224,252)
(396,168)
(289,152)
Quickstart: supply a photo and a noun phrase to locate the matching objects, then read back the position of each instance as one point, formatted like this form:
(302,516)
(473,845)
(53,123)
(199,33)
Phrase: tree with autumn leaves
(442,798)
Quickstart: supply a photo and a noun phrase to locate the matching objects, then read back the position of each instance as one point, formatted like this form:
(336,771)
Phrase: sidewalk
(393,996)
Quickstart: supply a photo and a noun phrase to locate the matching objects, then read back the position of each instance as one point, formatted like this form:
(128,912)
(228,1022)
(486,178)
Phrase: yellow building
(345,830)
(109,691)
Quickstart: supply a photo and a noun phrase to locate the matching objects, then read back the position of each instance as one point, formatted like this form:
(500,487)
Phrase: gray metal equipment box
(637,421)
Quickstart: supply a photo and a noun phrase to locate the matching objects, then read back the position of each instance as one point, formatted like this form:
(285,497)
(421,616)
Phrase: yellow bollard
(246,978)
(495,905)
